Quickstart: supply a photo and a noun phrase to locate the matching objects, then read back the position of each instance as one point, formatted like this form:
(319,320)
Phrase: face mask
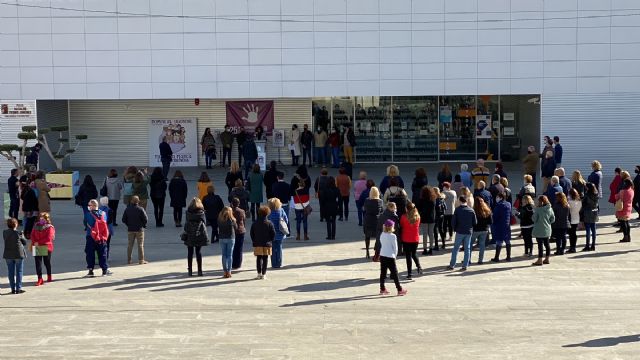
(319,129)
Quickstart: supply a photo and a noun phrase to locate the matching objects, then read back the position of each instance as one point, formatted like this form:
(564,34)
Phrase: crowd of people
(468,210)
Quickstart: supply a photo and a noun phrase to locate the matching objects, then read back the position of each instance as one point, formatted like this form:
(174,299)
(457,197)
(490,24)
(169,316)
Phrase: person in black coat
(195,234)
(213,204)
(329,198)
(166,156)
(29,207)
(86,193)
(270,177)
(158,194)
(178,193)
(418,183)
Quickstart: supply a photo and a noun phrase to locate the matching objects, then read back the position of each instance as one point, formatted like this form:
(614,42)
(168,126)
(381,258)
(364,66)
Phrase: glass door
(373,129)
(457,119)
(488,127)
(415,131)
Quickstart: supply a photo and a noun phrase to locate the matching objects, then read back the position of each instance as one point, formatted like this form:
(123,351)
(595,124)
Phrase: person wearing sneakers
(388,252)
(262,235)
(136,220)
(227,227)
(464,219)
(96,241)
(14,254)
(42,238)
(410,224)
(543,217)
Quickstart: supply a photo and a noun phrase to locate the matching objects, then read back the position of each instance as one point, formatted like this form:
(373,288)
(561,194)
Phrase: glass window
(373,128)
(457,118)
(320,112)
(415,128)
(488,127)
(342,113)
(519,124)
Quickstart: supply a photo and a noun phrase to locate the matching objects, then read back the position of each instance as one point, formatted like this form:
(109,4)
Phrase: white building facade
(569,67)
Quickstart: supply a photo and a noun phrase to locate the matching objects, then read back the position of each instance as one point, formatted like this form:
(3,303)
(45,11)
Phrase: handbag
(619,205)
(41,250)
(284,228)
(306,210)
(516,204)
(103,189)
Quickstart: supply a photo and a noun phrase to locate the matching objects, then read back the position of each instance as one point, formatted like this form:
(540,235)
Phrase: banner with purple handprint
(250,114)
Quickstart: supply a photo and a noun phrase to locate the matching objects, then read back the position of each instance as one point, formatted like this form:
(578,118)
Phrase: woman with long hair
(127,184)
(542,219)
(262,235)
(114,191)
(42,238)
(255,190)
(444,176)
(178,193)
(158,194)
(419,182)
(359,186)
(208,145)
(140,187)
(86,193)
(300,185)
(575,207)
(410,224)
(481,228)
(526,222)
(590,209)
(277,216)
(427,208)
(578,183)
(561,223)
(195,234)
(203,185)
(233,175)
(372,209)
(624,214)
(227,227)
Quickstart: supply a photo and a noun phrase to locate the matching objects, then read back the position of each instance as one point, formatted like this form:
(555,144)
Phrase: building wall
(141,49)
(118,129)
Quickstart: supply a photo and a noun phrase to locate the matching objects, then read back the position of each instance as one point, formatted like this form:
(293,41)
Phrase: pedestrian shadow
(491,269)
(339,262)
(334,300)
(140,282)
(593,254)
(201,284)
(327,286)
(607,341)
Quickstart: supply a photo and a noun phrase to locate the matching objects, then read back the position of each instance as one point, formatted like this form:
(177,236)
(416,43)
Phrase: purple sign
(250,114)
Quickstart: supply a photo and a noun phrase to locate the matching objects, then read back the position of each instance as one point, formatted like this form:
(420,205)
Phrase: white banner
(483,127)
(182,136)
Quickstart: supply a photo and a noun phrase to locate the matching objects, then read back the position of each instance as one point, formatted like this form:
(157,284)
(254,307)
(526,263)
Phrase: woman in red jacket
(410,235)
(42,238)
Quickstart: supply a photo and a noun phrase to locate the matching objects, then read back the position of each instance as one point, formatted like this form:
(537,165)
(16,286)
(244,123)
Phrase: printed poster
(182,136)
(483,127)
(250,114)
(278,138)
(446,116)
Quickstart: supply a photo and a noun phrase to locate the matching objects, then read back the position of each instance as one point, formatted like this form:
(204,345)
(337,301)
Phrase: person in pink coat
(42,238)
(623,215)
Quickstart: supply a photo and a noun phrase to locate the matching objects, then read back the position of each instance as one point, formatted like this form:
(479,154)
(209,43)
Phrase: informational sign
(508,131)
(483,127)
(14,114)
(278,138)
(250,114)
(181,135)
(448,146)
(508,117)
(261,145)
(446,116)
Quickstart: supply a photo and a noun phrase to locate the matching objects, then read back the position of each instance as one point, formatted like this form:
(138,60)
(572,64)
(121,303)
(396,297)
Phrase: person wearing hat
(530,163)
(388,252)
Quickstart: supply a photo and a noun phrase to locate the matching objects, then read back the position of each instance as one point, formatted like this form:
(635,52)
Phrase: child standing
(388,252)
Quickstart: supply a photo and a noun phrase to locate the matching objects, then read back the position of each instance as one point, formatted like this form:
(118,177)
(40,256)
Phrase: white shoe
(264,277)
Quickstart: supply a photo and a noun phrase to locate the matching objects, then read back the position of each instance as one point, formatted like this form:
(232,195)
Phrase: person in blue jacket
(553,188)
(502,226)
(557,150)
(93,245)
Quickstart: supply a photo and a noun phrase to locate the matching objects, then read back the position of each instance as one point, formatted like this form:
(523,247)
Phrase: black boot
(190,266)
(496,258)
(199,261)
(508,252)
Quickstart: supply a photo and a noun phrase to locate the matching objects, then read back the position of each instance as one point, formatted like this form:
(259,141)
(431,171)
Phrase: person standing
(294,142)
(178,193)
(114,191)
(166,156)
(480,173)
(233,175)
(195,234)
(240,216)
(44,201)
(97,235)
(42,238)
(270,178)
(636,194)
(250,154)
(596,177)
(564,183)
(14,254)
(449,203)
(262,235)
(419,182)
(578,183)
(543,217)
(464,219)
(306,141)
(343,182)
(300,185)
(481,228)
(349,143)
(241,138)
(388,252)
(141,187)
(561,224)
(226,138)
(320,141)
(203,185)
(135,218)
(208,146)
(127,184)
(427,208)
(557,151)
(389,213)
(319,186)
(29,207)
(552,189)
(396,194)
(465,175)
(213,204)
(329,198)
(410,225)
(358,187)
(86,192)
(242,194)
(277,217)
(530,164)
(526,222)
(548,168)
(104,206)
(372,209)
(14,194)
(590,210)
(281,190)
(255,190)
(444,176)
(34,156)
(158,195)
(614,186)
(624,214)
(575,208)
(482,192)
(334,144)
(501,230)
(440,210)
(227,226)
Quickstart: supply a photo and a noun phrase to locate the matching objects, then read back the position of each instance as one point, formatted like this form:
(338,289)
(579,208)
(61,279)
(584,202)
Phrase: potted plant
(69,180)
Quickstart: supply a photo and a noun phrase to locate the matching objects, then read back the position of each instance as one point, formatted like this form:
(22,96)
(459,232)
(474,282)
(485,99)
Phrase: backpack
(99,230)
(400,199)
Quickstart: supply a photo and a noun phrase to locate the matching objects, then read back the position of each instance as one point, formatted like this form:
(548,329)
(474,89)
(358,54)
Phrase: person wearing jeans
(463,221)
(14,193)
(226,247)
(481,229)
(14,254)
(227,226)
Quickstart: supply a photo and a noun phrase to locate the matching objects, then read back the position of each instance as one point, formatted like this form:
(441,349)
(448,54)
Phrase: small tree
(6,150)
(61,154)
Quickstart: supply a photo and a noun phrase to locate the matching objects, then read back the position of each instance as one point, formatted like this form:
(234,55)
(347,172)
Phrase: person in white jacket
(575,205)
(450,202)
(388,252)
(294,145)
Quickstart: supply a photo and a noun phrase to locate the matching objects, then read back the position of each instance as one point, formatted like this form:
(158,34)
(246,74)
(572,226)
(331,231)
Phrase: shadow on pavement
(602,254)
(336,285)
(606,342)
(470,271)
(334,300)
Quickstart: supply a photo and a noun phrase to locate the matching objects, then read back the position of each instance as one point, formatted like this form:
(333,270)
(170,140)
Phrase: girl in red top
(42,238)
(410,225)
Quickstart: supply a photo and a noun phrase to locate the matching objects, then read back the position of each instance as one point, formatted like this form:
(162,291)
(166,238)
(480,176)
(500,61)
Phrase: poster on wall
(181,134)
(14,114)
(278,138)
(446,116)
(250,114)
(483,127)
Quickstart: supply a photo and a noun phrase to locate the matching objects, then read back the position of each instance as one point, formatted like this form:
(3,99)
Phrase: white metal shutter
(602,127)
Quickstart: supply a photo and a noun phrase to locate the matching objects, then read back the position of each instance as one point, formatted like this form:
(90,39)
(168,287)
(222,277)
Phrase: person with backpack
(213,204)
(396,194)
(280,223)
(158,194)
(240,216)
(195,234)
(42,238)
(96,237)
(135,218)
(178,193)
(241,194)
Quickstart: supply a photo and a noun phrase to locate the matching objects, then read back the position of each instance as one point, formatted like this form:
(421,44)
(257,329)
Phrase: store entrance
(434,128)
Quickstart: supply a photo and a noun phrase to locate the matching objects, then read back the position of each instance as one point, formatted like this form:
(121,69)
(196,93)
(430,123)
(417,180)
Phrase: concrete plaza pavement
(323,303)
